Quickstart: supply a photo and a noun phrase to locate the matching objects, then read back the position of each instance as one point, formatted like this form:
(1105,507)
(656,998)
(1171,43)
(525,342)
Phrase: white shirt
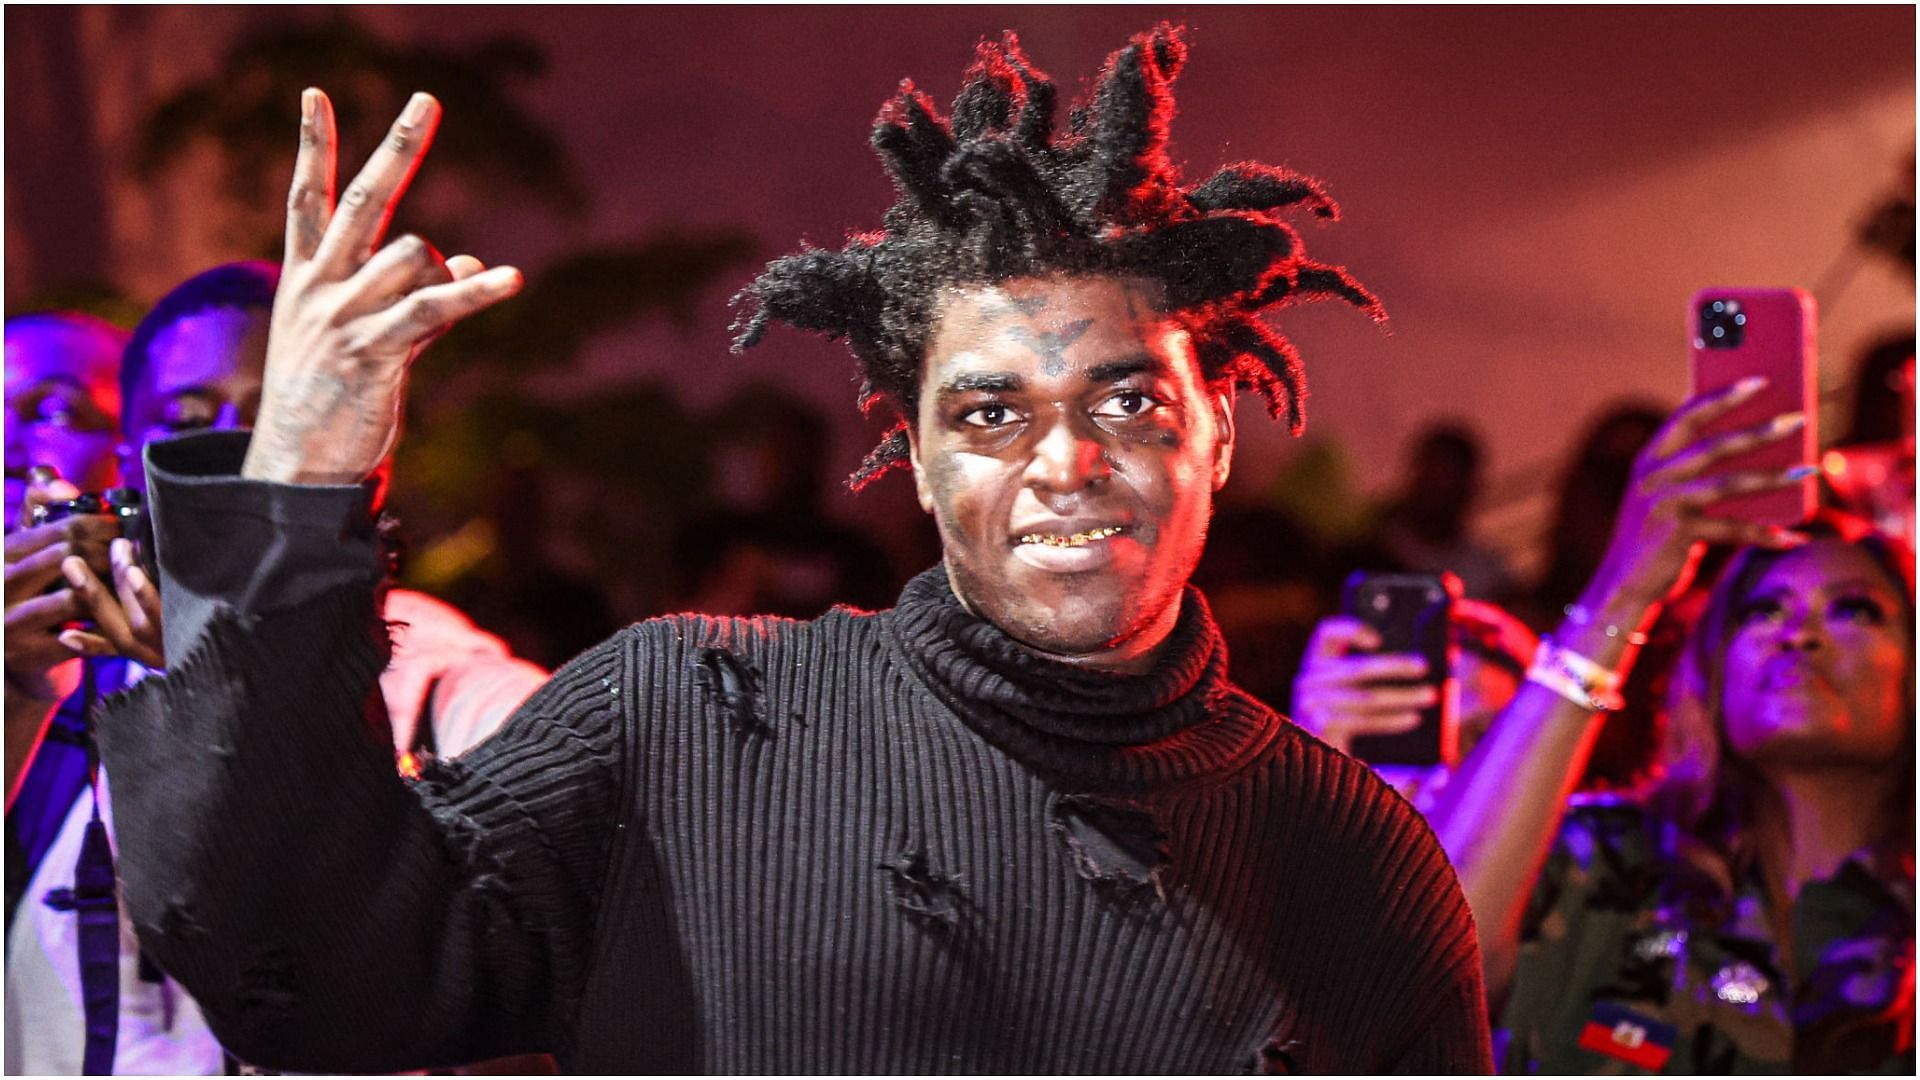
(161,1029)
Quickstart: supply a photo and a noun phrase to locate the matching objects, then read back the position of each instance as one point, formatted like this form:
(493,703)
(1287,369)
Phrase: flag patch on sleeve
(1619,1032)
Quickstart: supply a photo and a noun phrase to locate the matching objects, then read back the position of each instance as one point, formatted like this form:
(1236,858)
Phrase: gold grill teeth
(1079,539)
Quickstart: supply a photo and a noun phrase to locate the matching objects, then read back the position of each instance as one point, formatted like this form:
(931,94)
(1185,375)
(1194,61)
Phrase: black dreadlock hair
(994,193)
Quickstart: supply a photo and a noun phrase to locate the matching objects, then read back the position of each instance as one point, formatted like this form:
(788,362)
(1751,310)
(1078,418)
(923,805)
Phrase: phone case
(1413,614)
(1777,341)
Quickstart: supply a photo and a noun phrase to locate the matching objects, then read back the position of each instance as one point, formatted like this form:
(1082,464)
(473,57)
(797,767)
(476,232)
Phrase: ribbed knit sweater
(867,843)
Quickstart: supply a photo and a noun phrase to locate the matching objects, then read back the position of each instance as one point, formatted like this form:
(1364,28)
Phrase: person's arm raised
(327,915)
(1498,815)
(350,315)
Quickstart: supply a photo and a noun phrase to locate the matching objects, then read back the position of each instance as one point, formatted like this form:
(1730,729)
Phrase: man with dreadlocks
(1021,822)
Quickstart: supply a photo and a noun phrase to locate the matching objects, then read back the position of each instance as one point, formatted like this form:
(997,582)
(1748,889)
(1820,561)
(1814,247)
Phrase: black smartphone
(1412,613)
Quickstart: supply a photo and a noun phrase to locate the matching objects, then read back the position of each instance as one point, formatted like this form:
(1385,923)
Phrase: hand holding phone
(1739,334)
(1347,688)
(1728,467)
(1411,614)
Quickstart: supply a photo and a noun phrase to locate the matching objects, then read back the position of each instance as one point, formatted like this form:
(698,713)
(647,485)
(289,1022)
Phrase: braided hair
(995,193)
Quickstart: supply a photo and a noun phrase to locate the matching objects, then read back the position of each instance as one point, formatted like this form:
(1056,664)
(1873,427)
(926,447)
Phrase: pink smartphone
(1736,333)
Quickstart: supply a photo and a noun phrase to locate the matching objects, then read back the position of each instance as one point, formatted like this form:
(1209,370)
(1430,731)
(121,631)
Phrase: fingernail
(417,107)
(308,99)
(1786,422)
(72,641)
(1787,538)
(504,277)
(137,579)
(1801,472)
(1749,384)
(120,550)
(74,571)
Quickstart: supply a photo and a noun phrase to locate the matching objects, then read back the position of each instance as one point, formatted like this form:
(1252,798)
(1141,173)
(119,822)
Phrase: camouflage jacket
(1630,962)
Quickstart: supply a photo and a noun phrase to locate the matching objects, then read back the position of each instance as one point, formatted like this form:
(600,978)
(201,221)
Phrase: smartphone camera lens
(1722,325)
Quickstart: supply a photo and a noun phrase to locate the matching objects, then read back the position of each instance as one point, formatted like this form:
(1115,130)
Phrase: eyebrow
(1115,370)
(1862,584)
(1843,585)
(1006,382)
(60,379)
(968,382)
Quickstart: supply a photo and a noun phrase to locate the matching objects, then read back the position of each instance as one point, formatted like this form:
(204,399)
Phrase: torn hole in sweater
(1117,846)
(267,988)
(1278,1056)
(735,687)
(929,897)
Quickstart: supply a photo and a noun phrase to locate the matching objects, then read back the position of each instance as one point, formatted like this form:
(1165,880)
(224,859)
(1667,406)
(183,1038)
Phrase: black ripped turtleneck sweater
(868,843)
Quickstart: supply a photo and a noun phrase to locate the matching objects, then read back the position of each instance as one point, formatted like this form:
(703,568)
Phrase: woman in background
(1757,915)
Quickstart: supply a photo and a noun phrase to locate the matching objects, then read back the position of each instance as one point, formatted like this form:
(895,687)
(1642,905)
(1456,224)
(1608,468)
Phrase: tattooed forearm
(319,414)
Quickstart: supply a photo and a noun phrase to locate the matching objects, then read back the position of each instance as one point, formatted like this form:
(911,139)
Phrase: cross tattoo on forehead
(1052,346)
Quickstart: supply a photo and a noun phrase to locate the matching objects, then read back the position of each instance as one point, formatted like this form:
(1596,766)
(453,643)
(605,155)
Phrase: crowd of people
(1040,814)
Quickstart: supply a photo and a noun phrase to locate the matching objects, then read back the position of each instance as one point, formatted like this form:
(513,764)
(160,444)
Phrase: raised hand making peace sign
(351,315)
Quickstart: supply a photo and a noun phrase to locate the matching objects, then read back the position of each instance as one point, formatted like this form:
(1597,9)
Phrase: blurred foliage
(1888,228)
(1316,486)
(475,475)
(635,448)
(102,299)
(250,111)
(587,292)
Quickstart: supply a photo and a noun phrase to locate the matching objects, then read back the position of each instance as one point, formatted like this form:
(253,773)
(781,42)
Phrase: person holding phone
(1349,688)
(1754,912)
(1755,915)
(1498,812)
(194,362)
(62,413)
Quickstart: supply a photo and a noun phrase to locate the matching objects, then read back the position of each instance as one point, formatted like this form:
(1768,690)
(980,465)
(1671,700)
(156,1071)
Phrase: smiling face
(1068,449)
(1817,667)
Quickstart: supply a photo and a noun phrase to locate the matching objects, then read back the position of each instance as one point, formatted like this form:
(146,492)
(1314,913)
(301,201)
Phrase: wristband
(1576,678)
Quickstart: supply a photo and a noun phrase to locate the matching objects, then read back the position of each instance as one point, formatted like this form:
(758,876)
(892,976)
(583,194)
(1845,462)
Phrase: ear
(1223,431)
(920,488)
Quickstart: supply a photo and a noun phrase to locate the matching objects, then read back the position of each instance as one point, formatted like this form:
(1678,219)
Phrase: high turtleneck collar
(1122,732)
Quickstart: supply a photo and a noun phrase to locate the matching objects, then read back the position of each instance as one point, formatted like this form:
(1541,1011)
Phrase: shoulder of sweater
(1348,799)
(745,635)
(1359,850)
(704,647)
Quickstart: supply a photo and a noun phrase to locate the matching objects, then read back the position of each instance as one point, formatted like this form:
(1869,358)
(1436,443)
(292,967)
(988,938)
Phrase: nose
(1801,633)
(1065,459)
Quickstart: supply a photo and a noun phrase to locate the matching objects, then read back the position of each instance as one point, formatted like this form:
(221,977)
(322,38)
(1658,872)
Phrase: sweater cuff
(249,546)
